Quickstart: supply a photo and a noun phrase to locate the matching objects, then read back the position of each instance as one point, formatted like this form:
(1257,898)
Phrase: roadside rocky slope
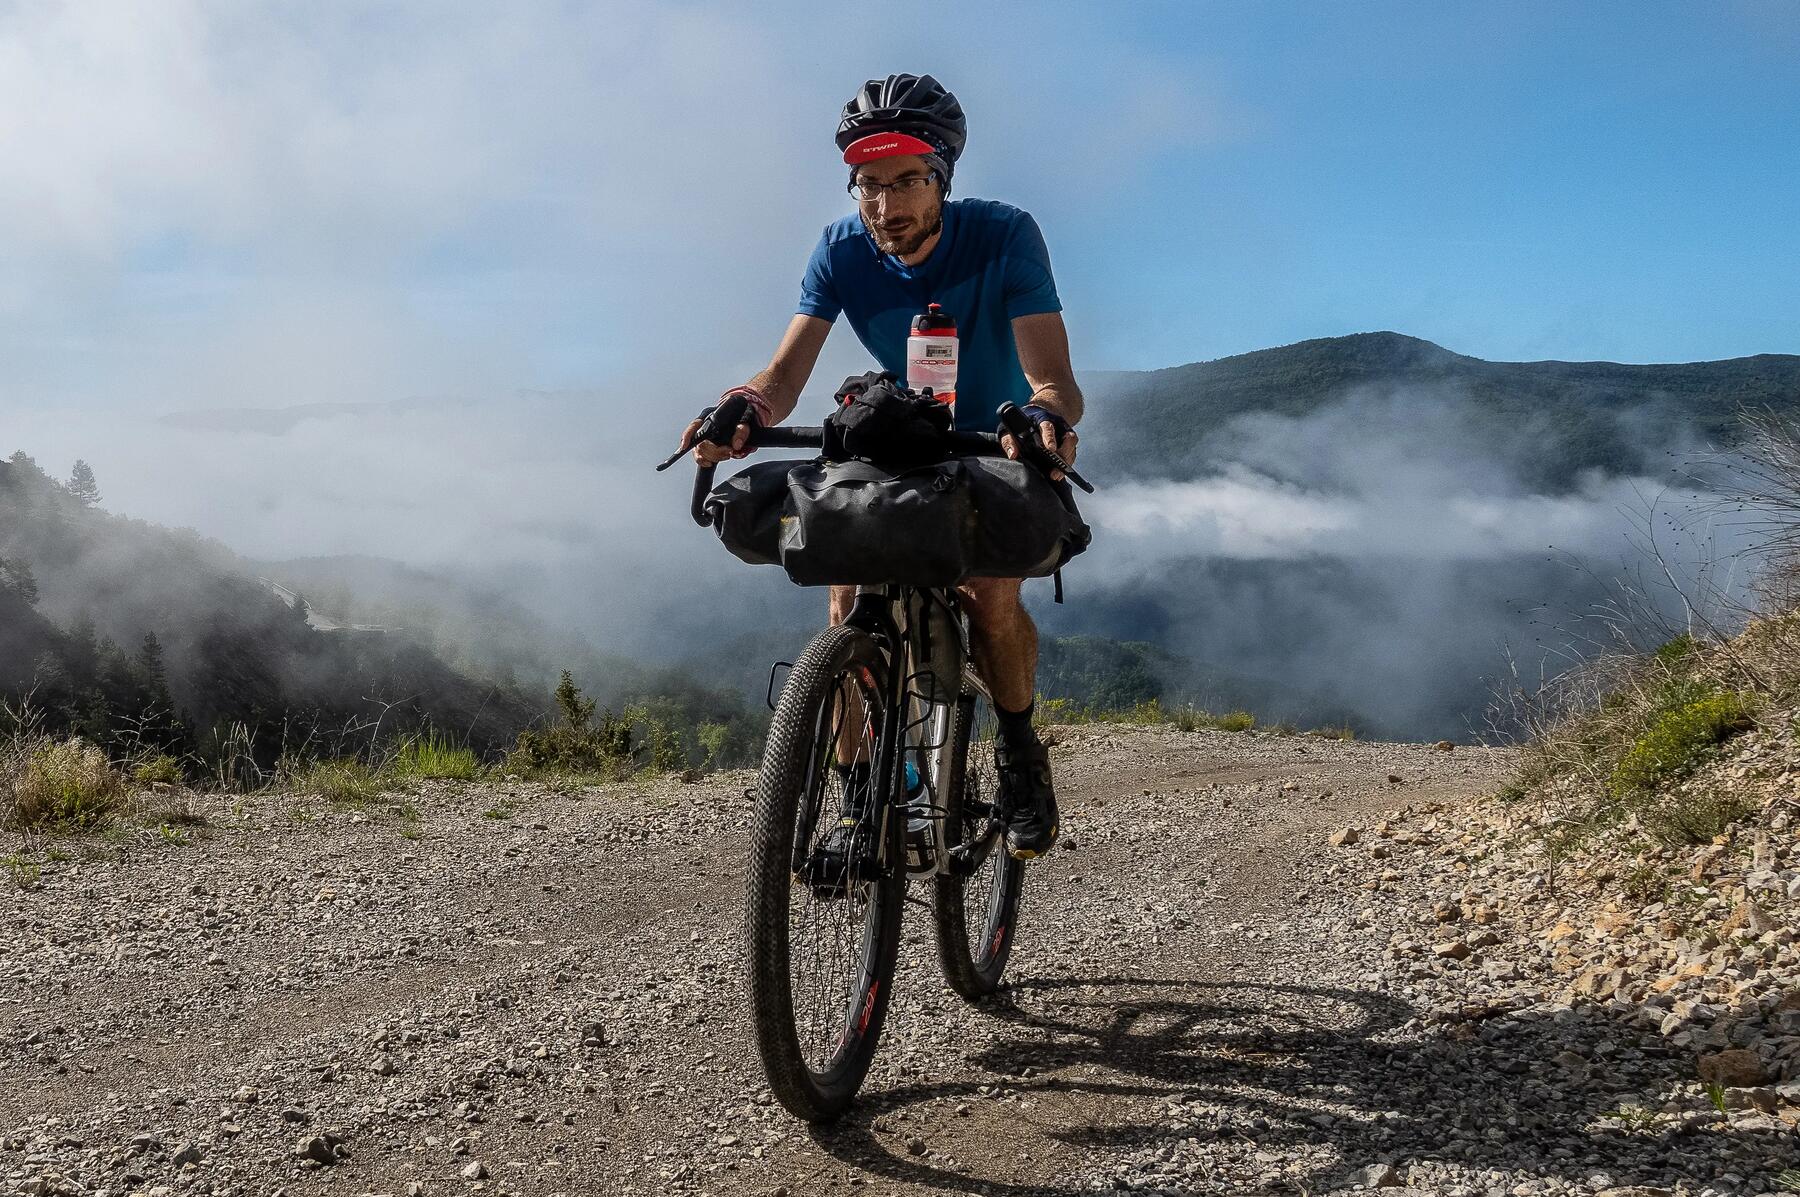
(515,988)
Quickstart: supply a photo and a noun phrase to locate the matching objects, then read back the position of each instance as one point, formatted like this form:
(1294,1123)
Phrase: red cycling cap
(885,145)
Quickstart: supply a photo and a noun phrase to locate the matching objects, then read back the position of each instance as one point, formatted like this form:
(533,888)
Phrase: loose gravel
(516,988)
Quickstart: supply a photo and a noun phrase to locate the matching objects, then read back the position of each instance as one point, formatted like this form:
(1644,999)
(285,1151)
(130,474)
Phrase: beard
(909,238)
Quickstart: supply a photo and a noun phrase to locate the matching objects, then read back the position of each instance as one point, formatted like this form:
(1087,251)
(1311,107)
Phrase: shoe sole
(1033,853)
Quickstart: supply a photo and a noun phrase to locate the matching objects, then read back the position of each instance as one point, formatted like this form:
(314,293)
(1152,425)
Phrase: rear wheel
(821,957)
(977,906)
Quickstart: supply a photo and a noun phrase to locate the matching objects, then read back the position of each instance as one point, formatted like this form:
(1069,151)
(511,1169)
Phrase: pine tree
(83,486)
(82,651)
(17,577)
(150,664)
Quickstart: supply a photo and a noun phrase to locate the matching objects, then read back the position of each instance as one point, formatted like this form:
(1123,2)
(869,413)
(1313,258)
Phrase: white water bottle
(931,354)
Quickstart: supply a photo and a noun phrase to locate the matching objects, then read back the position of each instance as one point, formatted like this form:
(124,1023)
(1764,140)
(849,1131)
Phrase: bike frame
(925,634)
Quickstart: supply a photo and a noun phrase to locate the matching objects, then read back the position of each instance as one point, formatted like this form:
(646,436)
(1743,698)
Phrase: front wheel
(822,951)
(977,903)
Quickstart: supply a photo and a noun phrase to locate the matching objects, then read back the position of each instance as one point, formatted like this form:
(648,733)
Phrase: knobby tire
(793,807)
(976,916)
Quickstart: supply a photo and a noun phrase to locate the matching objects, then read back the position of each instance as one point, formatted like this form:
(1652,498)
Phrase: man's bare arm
(780,382)
(785,376)
(1043,343)
(1044,356)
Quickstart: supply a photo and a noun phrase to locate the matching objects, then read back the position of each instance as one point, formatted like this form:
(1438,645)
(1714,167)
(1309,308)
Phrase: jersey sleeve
(818,293)
(1030,287)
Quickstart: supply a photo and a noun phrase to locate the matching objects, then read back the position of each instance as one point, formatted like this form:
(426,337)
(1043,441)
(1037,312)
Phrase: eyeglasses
(905,188)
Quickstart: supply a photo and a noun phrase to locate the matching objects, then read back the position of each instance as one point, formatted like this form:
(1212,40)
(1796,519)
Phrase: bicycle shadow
(1260,1061)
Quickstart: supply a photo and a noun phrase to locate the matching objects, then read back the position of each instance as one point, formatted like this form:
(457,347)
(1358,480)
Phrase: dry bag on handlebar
(935,525)
(880,421)
(746,511)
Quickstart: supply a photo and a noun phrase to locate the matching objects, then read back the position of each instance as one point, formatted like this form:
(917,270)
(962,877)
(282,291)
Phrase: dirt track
(539,994)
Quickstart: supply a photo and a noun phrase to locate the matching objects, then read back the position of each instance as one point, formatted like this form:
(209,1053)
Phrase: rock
(1456,949)
(1394,779)
(915,1146)
(246,1096)
(1344,837)
(1376,1176)
(315,1148)
(1747,916)
(415,1188)
(474,1170)
(382,1066)
(187,1153)
(1445,746)
(1735,1068)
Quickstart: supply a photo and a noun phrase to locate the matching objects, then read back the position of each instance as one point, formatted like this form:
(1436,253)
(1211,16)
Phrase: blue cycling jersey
(990,266)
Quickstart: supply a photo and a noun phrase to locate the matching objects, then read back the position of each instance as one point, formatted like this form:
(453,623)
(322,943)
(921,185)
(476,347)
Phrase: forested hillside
(139,637)
(1548,421)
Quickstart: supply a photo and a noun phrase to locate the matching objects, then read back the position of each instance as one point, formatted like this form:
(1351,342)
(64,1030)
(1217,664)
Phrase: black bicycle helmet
(913,106)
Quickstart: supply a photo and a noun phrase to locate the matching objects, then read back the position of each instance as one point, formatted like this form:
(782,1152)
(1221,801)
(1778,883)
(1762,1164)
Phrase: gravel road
(531,990)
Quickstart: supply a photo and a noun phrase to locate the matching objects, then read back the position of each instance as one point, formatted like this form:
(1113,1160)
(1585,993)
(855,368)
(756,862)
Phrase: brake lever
(1024,430)
(702,433)
(718,424)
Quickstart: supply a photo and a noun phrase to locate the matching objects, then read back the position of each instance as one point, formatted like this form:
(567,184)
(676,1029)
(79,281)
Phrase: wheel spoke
(831,937)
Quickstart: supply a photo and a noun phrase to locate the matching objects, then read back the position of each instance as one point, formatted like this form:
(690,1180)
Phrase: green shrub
(576,744)
(1675,651)
(1195,719)
(433,756)
(346,781)
(1693,818)
(1681,736)
(715,741)
(25,872)
(67,783)
(656,736)
(161,769)
(1052,711)
(1148,711)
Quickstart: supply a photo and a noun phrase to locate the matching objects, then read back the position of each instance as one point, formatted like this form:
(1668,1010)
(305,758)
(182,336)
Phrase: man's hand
(707,454)
(1046,431)
(745,404)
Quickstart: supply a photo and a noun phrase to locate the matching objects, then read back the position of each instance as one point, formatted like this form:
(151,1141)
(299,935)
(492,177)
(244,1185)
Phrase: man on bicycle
(984,262)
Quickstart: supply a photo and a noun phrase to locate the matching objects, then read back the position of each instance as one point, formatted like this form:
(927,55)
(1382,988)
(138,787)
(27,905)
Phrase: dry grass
(57,784)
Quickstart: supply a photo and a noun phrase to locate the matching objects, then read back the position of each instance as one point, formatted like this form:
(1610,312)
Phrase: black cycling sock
(1015,726)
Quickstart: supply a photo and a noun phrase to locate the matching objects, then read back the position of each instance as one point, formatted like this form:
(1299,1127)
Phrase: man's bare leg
(1004,638)
(848,841)
(1005,644)
(850,724)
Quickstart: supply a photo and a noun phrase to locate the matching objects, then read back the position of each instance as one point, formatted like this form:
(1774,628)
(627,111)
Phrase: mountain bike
(892,688)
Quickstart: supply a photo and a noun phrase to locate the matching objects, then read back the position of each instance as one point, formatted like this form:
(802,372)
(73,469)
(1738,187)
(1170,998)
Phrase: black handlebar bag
(854,522)
(746,511)
(935,525)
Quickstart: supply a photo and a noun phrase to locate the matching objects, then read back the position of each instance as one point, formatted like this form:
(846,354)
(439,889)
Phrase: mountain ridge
(1548,420)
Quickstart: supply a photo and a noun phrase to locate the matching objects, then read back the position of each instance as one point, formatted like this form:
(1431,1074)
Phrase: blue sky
(216,204)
